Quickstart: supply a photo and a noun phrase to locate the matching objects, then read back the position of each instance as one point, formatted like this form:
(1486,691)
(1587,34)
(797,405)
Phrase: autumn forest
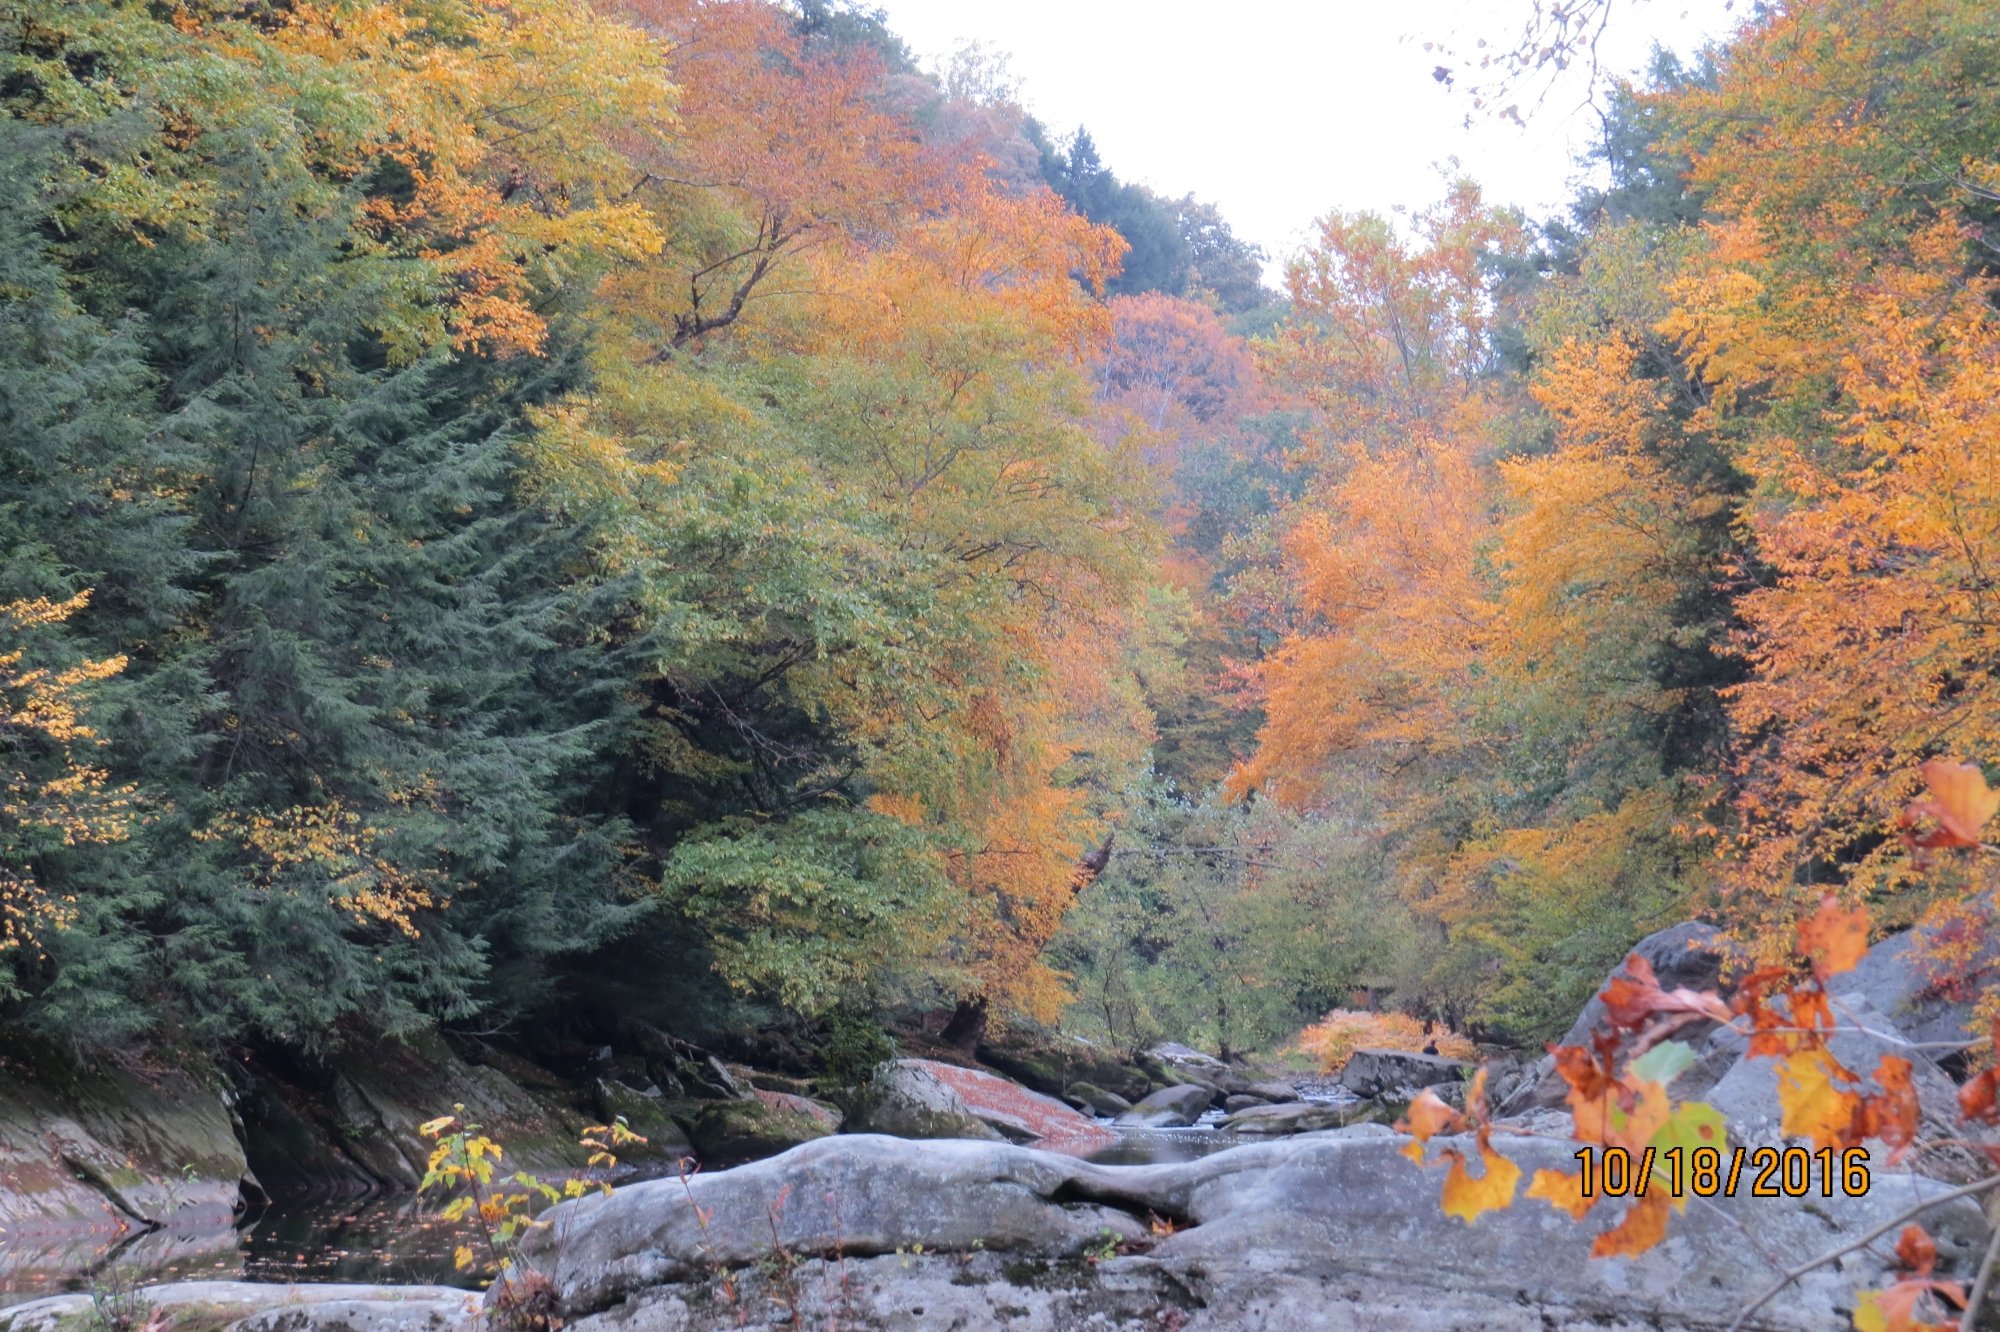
(530,517)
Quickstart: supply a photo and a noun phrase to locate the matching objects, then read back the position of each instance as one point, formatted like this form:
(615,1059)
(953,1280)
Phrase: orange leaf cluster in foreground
(1619,1087)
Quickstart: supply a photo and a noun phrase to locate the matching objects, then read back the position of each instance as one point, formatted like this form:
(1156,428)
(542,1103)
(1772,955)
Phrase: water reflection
(1161,1146)
(381,1240)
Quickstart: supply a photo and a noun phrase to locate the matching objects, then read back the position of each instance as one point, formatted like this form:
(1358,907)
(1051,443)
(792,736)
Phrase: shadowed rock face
(1324,1230)
(104,1149)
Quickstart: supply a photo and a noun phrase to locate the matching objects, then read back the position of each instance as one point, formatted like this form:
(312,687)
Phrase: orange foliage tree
(1840,317)
(52,797)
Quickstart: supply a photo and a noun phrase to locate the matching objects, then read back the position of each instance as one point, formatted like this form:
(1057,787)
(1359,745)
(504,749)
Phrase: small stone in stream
(1298,1117)
(1170,1107)
(1095,1099)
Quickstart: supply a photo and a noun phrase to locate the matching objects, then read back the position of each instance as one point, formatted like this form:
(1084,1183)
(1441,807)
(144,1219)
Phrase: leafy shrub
(1335,1037)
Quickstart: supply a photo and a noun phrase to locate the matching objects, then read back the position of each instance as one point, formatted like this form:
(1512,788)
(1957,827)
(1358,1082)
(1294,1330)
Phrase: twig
(1832,1255)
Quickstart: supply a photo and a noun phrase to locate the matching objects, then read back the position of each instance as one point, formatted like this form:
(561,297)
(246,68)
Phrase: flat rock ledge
(1329,1230)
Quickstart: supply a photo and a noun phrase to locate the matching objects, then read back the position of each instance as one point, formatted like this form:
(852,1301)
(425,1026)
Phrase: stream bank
(274,1167)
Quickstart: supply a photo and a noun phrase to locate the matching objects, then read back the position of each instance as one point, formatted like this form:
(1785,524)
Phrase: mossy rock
(100,1144)
(666,1141)
(1054,1065)
(728,1133)
(1096,1099)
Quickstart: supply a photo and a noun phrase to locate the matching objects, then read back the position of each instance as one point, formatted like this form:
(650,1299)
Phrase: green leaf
(1664,1062)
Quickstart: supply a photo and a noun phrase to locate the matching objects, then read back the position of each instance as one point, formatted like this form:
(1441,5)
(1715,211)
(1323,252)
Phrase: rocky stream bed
(1048,1186)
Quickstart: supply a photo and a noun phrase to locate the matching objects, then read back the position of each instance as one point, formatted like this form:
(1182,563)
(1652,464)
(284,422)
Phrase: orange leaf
(1643,1226)
(1815,1105)
(1811,1008)
(1587,1074)
(1475,1096)
(1976,1103)
(1429,1116)
(1834,937)
(1467,1198)
(1895,1309)
(1892,1115)
(1562,1191)
(1640,1110)
(1916,1251)
(1770,1032)
(1960,805)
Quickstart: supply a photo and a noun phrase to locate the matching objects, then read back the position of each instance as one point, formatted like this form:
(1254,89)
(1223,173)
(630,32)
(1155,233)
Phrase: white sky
(1283,110)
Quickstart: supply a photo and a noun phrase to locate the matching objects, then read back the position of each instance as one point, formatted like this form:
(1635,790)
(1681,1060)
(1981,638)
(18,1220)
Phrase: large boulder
(1170,1107)
(906,1099)
(350,1123)
(99,1147)
(1894,978)
(1687,956)
(1747,1093)
(1183,1056)
(727,1133)
(1052,1063)
(923,1098)
(1387,1072)
(1330,1231)
(1097,1100)
(1871,1005)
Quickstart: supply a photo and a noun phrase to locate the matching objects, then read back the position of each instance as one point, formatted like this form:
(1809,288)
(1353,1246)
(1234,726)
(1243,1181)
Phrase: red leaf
(1633,999)
(1916,1251)
(1892,1115)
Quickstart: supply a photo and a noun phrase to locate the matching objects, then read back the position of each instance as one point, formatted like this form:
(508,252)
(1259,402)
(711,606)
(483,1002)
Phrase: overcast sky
(1282,110)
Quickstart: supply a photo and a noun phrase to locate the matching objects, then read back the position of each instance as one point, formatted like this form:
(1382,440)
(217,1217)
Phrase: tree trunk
(968,1024)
